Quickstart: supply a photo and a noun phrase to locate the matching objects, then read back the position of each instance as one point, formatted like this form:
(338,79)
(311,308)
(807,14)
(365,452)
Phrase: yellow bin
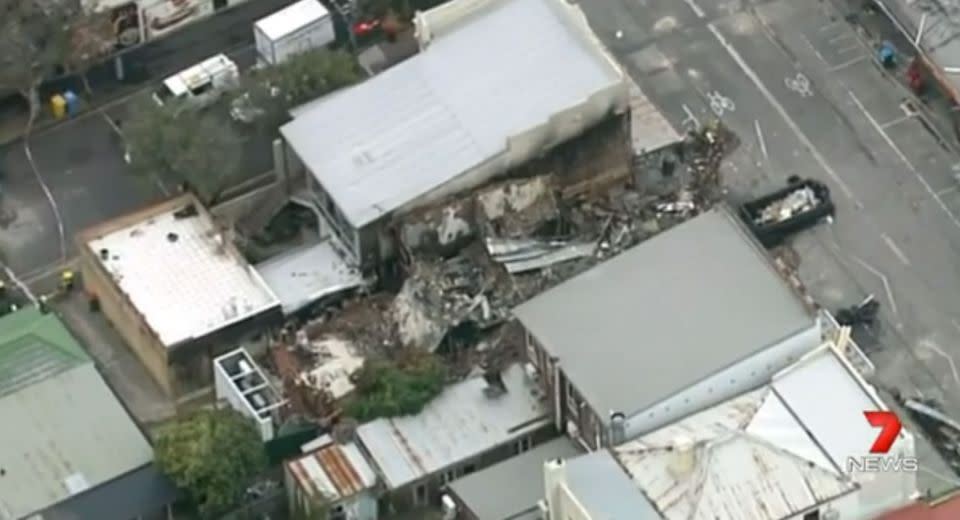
(58,106)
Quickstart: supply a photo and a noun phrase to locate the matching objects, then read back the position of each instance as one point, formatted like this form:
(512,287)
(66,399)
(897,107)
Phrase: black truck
(800,205)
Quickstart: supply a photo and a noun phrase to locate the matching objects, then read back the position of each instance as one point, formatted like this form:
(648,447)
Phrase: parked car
(201,85)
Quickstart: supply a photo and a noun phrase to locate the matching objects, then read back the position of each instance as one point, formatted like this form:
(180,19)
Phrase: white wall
(561,503)
(746,375)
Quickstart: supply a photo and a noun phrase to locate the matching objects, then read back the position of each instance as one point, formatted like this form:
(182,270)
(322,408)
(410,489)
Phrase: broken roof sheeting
(305,275)
(443,112)
(459,424)
(625,316)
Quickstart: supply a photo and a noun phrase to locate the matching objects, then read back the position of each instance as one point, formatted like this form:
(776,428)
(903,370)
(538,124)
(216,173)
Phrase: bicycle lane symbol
(720,104)
(799,84)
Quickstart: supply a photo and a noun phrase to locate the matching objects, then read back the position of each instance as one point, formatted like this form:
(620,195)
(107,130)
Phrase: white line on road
(691,116)
(837,38)
(947,191)
(697,10)
(903,158)
(895,248)
(763,144)
(19,283)
(936,350)
(897,121)
(847,63)
(112,123)
(782,111)
(883,279)
(61,236)
(849,48)
(814,48)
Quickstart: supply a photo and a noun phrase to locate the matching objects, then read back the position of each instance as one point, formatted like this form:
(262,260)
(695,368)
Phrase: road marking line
(849,48)
(782,111)
(936,350)
(903,158)
(895,248)
(839,37)
(897,121)
(763,144)
(61,235)
(112,123)
(886,283)
(846,64)
(697,10)
(19,283)
(690,116)
(947,191)
(813,48)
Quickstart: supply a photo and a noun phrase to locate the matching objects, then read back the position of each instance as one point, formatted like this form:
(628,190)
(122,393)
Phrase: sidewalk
(932,104)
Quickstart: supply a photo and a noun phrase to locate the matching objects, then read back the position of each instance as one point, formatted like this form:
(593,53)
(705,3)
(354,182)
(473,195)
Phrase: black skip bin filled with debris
(801,205)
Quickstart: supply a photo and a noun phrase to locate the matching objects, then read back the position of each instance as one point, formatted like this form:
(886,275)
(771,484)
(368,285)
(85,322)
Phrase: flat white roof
(291,18)
(180,277)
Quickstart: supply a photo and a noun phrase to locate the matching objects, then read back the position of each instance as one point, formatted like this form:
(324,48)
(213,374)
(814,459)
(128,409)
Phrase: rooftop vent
(683,458)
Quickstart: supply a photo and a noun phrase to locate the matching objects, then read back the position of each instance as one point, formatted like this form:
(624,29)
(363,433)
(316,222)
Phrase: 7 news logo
(880,460)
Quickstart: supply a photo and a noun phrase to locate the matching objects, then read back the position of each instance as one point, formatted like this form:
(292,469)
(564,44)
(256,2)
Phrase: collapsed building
(440,123)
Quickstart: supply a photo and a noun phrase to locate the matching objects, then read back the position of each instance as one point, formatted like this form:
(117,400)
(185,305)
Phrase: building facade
(174,286)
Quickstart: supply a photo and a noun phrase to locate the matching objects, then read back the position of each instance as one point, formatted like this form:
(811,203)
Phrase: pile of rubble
(470,260)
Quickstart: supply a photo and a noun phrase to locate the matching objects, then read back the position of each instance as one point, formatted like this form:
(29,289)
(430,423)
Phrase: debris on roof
(518,208)
(522,255)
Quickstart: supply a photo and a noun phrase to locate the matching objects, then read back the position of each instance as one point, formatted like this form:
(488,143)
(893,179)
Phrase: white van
(200,85)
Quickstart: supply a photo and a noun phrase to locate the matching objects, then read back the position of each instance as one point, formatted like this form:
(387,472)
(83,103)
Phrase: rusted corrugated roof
(334,471)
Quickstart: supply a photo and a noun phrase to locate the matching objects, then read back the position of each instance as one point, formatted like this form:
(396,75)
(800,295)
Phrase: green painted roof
(33,347)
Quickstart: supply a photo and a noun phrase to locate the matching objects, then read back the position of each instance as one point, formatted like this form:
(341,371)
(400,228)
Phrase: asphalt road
(794,82)
(81,162)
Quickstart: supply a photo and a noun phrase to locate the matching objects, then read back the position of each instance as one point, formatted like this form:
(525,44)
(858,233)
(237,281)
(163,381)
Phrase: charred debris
(466,262)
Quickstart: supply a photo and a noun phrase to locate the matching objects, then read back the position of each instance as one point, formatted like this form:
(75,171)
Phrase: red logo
(890,427)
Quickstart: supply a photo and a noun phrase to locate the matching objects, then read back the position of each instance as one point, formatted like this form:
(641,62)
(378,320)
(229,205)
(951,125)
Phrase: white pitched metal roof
(305,275)
(459,424)
(507,69)
(758,457)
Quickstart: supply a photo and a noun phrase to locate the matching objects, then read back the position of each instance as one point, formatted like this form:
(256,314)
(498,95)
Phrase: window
(202,88)
(420,495)
(164,94)
(521,446)
(812,515)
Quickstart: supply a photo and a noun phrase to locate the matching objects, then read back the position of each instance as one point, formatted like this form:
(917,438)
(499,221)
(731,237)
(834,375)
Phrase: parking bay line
(893,146)
(745,67)
(895,248)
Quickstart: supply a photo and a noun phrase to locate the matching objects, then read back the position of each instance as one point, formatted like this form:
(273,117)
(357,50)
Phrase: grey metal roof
(307,274)
(62,436)
(459,424)
(605,490)
(514,486)
(140,493)
(505,70)
(665,314)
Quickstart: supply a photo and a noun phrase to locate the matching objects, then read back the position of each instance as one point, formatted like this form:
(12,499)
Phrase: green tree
(39,39)
(402,385)
(304,77)
(212,455)
(180,144)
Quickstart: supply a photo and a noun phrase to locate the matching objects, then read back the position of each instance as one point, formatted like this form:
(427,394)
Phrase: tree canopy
(39,39)
(212,455)
(402,385)
(179,144)
(303,77)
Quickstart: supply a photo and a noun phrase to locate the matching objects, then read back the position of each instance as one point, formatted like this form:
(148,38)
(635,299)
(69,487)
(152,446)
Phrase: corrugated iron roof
(335,471)
(459,424)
